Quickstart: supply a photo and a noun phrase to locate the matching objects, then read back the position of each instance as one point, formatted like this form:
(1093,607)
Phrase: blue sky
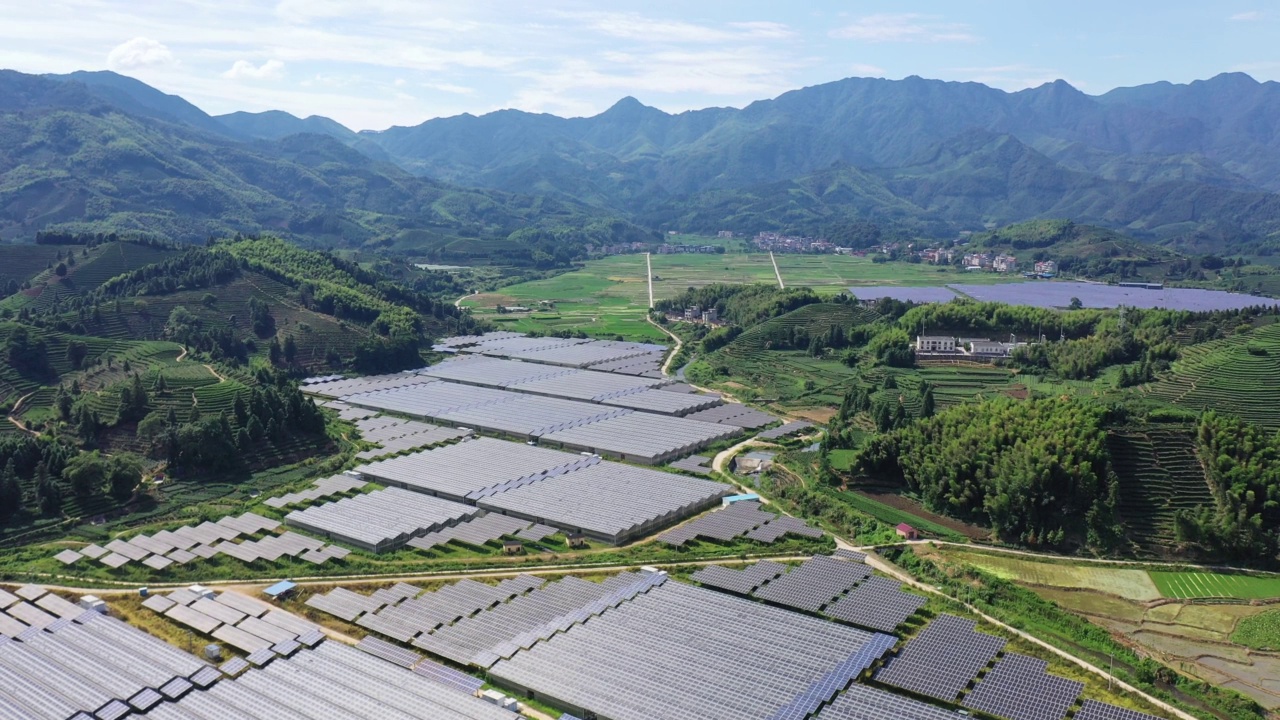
(374,63)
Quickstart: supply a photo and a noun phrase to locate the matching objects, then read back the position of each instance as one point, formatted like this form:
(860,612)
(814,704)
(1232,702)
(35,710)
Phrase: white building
(935,343)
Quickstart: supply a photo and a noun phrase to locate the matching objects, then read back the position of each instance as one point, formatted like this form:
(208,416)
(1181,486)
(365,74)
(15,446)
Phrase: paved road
(648,264)
(776,272)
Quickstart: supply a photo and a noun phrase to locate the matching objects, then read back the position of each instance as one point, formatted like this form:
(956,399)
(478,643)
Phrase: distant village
(806,245)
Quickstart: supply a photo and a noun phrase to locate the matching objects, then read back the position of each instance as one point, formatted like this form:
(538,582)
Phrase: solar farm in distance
(1059,293)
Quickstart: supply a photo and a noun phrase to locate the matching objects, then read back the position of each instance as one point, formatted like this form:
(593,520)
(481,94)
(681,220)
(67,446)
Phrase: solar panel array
(696,464)
(647,365)
(326,487)
(1094,710)
(185,544)
(476,531)
(403,617)
(642,437)
(742,581)
(680,651)
(369,383)
(381,520)
(471,640)
(557,351)
(473,469)
(736,520)
(609,501)
(530,416)
(734,414)
(942,659)
(814,584)
(876,603)
(1019,688)
(782,431)
(850,555)
(861,702)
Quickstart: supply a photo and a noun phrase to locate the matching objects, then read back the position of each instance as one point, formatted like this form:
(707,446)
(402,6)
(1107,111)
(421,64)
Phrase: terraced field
(1236,375)
(1160,474)
(23,262)
(104,262)
(953,384)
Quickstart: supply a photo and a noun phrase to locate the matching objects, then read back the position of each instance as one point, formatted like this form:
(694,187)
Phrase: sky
(371,64)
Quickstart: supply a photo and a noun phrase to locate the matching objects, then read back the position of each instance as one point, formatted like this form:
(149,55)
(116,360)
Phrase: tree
(273,351)
(290,349)
(10,492)
(926,400)
(60,270)
(48,493)
(86,473)
(1075,304)
(123,472)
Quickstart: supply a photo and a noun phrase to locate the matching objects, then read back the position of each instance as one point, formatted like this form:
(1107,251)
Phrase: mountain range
(1196,164)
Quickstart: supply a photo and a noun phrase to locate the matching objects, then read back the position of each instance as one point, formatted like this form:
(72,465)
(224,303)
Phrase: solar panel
(942,659)
(1094,710)
(389,652)
(815,584)
(1018,688)
(877,603)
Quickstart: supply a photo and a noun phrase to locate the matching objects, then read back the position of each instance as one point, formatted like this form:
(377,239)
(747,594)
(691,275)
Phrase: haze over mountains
(1197,163)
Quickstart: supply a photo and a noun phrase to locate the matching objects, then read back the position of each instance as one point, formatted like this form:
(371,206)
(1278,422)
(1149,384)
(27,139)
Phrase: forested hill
(100,152)
(1160,159)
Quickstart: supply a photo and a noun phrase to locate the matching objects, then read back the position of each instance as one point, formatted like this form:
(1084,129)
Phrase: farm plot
(1131,584)
(1210,584)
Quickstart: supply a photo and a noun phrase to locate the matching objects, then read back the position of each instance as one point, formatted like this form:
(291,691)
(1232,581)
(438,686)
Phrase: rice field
(1210,584)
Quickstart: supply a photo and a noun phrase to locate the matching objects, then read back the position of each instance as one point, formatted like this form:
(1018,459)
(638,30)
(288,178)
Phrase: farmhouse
(991,348)
(907,532)
(935,344)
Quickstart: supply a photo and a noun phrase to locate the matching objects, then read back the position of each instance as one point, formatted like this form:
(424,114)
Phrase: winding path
(458,303)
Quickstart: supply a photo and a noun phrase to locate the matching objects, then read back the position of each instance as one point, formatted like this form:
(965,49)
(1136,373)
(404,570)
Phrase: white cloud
(1246,16)
(905,27)
(634,26)
(450,88)
(245,70)
(139,52)
(864,70)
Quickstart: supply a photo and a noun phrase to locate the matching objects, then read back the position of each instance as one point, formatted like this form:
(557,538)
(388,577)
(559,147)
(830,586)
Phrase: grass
(1211,584)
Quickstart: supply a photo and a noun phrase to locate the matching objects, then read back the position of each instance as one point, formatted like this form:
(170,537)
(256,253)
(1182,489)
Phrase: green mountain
(1162,161)
(276,124)
(112,154)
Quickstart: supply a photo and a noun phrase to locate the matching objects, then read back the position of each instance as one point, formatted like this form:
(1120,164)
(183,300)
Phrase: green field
(611,296)
(1128,583)
(1160,474)
(1261,632)
(1208,584)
